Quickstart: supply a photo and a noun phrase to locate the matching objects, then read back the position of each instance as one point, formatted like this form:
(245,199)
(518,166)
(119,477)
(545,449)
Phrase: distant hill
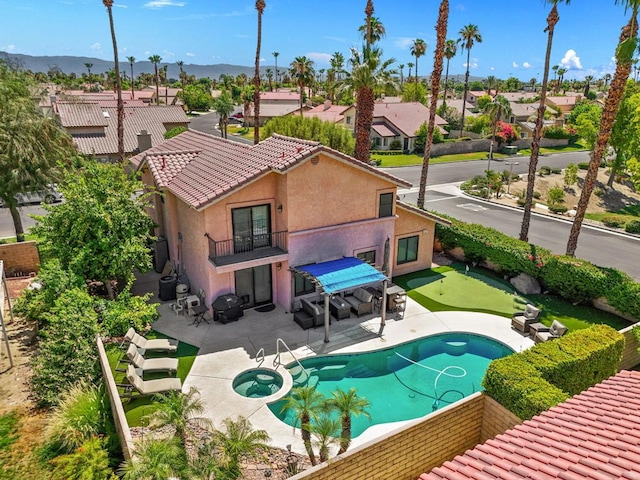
(76,65)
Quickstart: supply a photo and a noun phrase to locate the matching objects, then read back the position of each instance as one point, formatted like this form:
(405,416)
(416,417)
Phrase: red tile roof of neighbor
(328,112)
(594,435)
(200,168)
(406,116)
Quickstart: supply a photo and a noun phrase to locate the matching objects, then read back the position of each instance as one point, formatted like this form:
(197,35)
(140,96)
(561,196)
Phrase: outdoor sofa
(361,301)
(556,330)
(311,314)
(522,320)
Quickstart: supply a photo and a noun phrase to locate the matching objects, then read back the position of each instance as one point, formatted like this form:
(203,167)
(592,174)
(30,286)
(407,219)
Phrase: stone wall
(496,419)
(630,355)
(20,259)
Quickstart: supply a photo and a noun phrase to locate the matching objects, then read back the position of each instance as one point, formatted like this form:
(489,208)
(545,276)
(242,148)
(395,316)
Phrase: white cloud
(189,54)
(319,57)
(167,53)
(571,60)
(9,48)
(120,6)
(473,64)
(96,46)
(526,65)
(163,3)
(403,42)
(514,65)
(492,68)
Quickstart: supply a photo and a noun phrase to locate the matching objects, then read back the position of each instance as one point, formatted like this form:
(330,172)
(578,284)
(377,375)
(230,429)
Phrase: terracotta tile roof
(277,109)
(280,96)
(328,112)
(127,103)
(568,100)
(594,435)
(81,114)
(382,130)
(423,213)
(524,109)
(406,116)
(518,96)
(200,168)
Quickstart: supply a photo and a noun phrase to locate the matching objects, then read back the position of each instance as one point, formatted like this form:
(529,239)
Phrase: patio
(228,349)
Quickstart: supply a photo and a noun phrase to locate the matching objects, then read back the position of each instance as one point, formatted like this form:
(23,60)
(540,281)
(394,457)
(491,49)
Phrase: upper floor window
(348,119)
(386,205)
(407,250)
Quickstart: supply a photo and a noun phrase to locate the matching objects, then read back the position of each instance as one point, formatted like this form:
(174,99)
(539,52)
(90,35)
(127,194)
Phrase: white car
(47,195)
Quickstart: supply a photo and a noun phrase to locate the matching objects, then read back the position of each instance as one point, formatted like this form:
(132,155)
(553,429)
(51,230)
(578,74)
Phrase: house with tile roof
(400,121)
(238,218)
(94,126)
(344,115)
(563,104)
(594,435)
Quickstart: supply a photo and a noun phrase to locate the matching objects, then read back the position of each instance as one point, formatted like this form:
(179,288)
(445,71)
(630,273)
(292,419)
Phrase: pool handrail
(276,360)
(260,357)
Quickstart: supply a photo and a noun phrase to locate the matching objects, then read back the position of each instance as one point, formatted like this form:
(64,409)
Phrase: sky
(208,32)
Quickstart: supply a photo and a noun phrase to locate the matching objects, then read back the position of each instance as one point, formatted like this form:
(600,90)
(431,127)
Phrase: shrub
(570,175)
(174,132)
(614,221)
(573,279)
(558,208)
(544,170)
(632,227)
(127,311)
(598,192)
(555,195)
(537,195)
(556,170)
(396,145)
(583,165)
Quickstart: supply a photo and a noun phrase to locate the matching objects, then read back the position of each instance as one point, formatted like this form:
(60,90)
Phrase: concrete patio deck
(228,349)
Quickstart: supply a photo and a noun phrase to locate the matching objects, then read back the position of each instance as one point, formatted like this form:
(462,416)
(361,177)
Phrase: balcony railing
(244,248)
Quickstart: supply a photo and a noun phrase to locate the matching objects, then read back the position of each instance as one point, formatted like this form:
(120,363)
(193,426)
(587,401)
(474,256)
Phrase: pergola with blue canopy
(339,275)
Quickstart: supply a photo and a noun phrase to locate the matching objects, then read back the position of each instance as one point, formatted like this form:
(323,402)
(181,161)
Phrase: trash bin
(167,288)
(160,254)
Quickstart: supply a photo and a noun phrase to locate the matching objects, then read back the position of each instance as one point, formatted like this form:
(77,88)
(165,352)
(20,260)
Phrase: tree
(119,104)
(34,150)
(624,133)
(570,175)
(260,6)
(154,460)
(303,74)
(275,57)
(196,98)
(368,11)
(418,49)
(441,35)
(102,231)
(325,430)
(552,20)
(627,46)
(450,50)
(306,404)
(89,461)
(497,110)
(587,84)
(401,67)
(132,60)
(348,404)
(238,440)
(89,67)
(376,28)
(469,35)
(156,59)
(223,105)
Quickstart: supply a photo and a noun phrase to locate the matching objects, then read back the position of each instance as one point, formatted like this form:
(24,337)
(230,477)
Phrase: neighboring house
(280,97)
(94,128)
(594,435)
(563,104)
(237,218)
(400,121)
(519,97)
(277,104)
(168,95)
(340,114)
(474,95)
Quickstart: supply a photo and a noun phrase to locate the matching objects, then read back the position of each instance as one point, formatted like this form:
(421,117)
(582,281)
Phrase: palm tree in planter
(260,6)
(238,440)
(627,46)
(156,59)
(348,404)
(325,430)
(306,404)
(303,74)
(552,20)
(450,50)
(497,110)
(469,36)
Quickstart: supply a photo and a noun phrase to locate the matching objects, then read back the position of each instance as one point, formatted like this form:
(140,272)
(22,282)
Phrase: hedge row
(537,379)
(571,278)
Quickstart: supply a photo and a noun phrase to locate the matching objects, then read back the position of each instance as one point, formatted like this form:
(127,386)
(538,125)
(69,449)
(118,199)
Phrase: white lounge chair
(144,345)
(151,364)
(149,387)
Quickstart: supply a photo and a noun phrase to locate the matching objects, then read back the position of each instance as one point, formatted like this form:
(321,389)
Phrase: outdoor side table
(339,308)
(537,327)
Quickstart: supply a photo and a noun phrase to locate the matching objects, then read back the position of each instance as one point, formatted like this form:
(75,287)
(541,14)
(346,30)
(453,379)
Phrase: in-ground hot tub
(258,383)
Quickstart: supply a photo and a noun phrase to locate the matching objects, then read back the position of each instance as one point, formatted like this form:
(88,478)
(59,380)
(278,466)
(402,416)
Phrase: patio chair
(151,364)
(148,387)
(522,320)
(556,330)
(144,345)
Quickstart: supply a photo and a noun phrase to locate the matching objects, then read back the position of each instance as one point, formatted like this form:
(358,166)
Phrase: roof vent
(298,149)
(105,114)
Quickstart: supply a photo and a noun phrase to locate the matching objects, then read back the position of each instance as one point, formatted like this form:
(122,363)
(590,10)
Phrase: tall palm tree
(89,67)
(368,11)
(337,63)
(183,76)
(441,41)
(260,5)
(450,50)
(624,59)
(275,57)
(325,430)
(491,82)
(119,104)
(132,60)
(497,110)
(269,74)
(587,84)
(348,404)
(303,74)
(238,440)
(306,404)
(561,72)
(376,27)
(223,105)
(410,65)
(552,20)
(154,460)
(368,73)
(469,35)
(607,79)
(401,67)
(418,49)
(156,59)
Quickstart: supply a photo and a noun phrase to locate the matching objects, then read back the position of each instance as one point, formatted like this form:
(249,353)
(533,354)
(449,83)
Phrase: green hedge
(537,379)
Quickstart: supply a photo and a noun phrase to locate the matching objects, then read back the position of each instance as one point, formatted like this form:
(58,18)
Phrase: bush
(544,170)
(614,221)
(555,195)
(557,171)
(558,208)
(537,195)
(125,312)
(396,145)
(583,165)
(632,227)
(598,192)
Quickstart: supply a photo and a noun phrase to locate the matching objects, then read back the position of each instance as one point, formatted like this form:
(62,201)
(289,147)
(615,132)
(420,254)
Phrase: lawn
(575,147)
(239,131)
(138,407)
(450,288)
(28,237)
(630,212)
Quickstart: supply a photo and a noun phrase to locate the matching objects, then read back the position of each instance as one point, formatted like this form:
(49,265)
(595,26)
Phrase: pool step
(361,371)
(455,348)
(296,371)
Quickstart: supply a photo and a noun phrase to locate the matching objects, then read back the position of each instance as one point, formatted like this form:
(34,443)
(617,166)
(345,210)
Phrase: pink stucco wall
(407,225)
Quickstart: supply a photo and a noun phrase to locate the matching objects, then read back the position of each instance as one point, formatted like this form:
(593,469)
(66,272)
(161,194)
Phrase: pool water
(403,382)
(258,383)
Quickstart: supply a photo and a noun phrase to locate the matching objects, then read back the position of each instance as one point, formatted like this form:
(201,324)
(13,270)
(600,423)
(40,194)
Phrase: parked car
(47,195)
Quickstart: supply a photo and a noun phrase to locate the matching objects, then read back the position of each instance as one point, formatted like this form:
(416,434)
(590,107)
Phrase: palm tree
(302,71)
(154,460)
(410,65)
(306,404)
(368,11)
(119,104)
(491,81)
(418,49)
(377,30)
(469,35)
(368,72)
(275,57)
(183,76)
(223,105)
(337,63)
(552,20)
(532,83)
(89,67)
(177,410)
(347,404)
(561,72)
(497,110)
(401,67)
(607,79)
(624,58)
(132,60)
(441,36)
(587,84)
(325,430)
(260,5)
(238,440)
(450,50)
(156,59)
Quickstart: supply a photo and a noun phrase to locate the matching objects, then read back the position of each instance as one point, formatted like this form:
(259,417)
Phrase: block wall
(630,355)
(20,259)
(496,419)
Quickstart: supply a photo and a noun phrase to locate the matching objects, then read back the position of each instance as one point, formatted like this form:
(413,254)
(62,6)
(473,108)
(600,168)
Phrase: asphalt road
(6,222)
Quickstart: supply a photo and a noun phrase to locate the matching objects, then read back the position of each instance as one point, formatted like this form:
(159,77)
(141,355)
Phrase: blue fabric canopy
(342,274)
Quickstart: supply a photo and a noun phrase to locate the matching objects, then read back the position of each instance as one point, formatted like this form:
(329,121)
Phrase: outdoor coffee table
(537,327)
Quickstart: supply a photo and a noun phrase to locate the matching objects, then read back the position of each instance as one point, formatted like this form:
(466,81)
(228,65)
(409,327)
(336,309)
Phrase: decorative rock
(571,213)
(526,284)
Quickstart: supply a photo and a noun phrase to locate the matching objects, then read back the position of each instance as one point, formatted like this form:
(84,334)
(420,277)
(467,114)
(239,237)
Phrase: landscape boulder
(526,284)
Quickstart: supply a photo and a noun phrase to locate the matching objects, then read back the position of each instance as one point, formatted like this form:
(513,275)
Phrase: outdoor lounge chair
(555,331)
(361,301)
(149,387)
(144,345)
(151,364)
(522,320)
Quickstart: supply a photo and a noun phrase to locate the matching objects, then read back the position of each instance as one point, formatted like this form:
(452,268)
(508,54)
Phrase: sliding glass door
(251,228)
(254,284)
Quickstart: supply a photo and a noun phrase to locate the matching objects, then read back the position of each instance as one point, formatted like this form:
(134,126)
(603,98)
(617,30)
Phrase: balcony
(243,249)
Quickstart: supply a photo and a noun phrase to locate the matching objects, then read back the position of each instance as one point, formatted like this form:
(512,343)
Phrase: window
(348,119)
(302,285)
(378,141)
(407,250)
(368,257)
(386,205)
(384,142)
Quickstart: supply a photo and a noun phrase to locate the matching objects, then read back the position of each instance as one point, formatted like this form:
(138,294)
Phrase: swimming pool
(402,382)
